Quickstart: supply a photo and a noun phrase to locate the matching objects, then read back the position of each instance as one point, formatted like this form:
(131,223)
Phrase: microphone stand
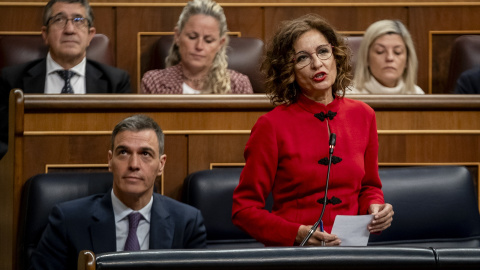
(315,226)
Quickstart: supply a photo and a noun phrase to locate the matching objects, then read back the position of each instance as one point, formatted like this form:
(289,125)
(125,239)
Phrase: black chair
(244,56)
(465,55)
(353,42)
(435,206)
(42,192)
(211,192)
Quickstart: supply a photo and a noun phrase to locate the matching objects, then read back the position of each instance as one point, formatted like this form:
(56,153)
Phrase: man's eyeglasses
(303,59)
(61,21)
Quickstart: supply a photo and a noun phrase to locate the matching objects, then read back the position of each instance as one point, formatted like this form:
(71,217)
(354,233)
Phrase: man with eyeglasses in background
(67,30)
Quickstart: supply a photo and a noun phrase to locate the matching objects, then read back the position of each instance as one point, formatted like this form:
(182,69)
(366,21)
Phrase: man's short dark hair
(47,11)
(137,123)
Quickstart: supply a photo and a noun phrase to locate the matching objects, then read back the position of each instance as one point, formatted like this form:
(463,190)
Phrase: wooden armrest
(86,260)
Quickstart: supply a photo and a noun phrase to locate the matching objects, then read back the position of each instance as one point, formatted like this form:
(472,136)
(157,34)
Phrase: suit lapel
(34,81)
(93,80)
(161,225)
(102,231)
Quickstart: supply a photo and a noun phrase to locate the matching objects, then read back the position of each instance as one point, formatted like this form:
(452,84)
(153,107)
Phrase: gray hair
(218,79)
(137,123)
(47,11)
(374,31)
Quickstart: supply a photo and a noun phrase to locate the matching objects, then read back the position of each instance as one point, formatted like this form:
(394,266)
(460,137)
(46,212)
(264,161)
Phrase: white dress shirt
(121,212)
(54,82)
(189,90)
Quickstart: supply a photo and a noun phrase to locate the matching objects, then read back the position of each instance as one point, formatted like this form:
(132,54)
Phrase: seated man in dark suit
(469,82)
(67,30)
(107,222)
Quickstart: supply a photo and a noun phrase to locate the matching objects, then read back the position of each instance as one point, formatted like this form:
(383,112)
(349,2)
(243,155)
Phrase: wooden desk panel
(72,132)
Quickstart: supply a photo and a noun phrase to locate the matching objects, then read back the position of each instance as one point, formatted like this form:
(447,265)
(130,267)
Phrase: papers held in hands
(352,230)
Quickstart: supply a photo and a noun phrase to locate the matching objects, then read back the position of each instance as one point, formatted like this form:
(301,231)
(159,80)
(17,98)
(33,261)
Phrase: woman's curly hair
(278,66)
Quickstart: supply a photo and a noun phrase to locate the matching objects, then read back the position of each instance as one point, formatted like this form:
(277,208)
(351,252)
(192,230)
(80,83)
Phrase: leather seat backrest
(353,42)
(18,49)
(465,55)
(211,192)
(42,192)
(244,56)
(435,206)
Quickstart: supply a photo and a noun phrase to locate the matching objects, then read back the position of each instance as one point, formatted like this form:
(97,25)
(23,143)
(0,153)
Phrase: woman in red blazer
(307,68)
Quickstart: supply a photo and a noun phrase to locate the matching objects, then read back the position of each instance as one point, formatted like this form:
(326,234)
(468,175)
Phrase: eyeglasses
(61,21)
(303,59)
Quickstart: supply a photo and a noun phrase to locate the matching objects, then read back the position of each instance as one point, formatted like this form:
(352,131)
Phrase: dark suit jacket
(30,77)
(89,224)
(469,82)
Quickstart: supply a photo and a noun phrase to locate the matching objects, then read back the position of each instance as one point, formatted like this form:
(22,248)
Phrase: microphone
(331,143)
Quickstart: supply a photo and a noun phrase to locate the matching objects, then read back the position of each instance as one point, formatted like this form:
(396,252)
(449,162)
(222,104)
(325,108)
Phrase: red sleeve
(371,191)
(256,181)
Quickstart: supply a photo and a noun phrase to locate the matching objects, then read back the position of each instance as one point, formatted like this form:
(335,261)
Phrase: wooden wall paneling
(448,18)
(176,149)
(411,121)
(104,22)
(64,149)
(17,18)
(344,19)
(130,21)
(216,148)
(423,148)
(249,21)
(444,148)
(10,177)
(392,148)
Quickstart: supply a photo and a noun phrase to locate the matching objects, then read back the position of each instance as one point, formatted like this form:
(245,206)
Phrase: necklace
(195,82)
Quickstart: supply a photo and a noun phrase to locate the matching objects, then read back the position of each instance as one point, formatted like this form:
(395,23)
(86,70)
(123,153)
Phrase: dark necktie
(132,239)
(66,75)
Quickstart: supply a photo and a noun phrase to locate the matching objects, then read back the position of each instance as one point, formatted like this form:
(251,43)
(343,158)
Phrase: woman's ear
(176,35)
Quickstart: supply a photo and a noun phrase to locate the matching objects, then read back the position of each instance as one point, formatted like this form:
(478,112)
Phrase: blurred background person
(469,82)
(197,60)
(67,30)
(307,69)
(386,61)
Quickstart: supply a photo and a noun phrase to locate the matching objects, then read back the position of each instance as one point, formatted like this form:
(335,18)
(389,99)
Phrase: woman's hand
(317,237)
(382,217)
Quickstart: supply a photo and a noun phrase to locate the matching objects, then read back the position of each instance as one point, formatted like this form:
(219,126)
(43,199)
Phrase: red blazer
(285,155)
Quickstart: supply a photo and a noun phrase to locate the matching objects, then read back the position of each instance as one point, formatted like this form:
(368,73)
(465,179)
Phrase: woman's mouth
(319,76)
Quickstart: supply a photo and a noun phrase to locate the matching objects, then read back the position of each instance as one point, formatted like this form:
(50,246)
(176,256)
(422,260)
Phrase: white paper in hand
(352,230)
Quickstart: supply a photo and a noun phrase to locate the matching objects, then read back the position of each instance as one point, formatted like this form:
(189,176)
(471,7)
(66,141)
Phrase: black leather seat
(435,206)
(465,55)
(244,56)
(211,191)
(353,42)
(41,193)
